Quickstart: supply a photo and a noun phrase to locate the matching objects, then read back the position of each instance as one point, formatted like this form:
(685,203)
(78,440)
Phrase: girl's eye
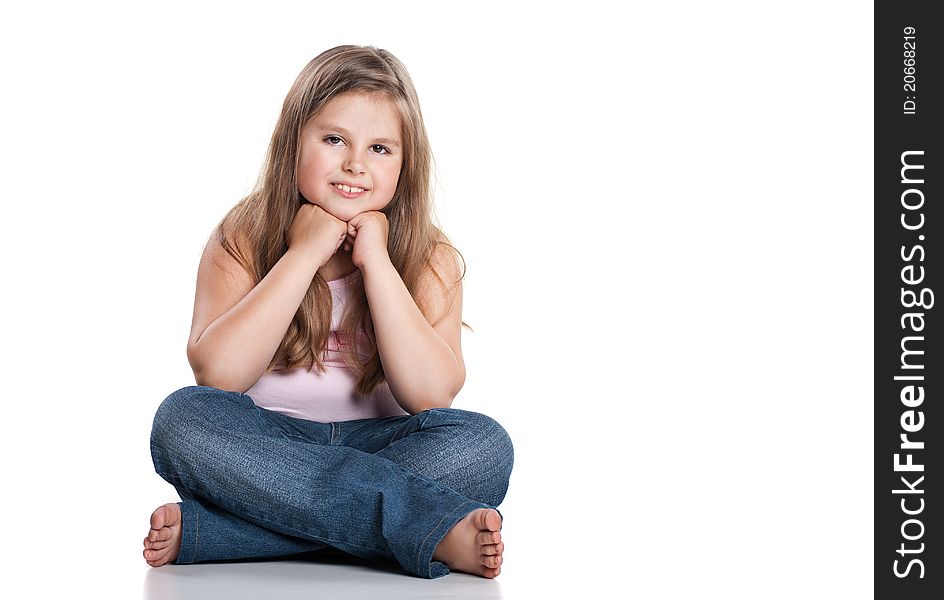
(380,149)
(333,140)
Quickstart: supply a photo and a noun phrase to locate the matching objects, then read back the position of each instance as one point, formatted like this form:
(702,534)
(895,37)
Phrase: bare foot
(474,545)
(163,541)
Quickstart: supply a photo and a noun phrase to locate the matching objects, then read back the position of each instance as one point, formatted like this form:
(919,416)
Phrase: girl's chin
(334,213)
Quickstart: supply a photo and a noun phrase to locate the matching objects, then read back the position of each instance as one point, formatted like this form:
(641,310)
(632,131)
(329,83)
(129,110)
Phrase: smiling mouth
(348,189)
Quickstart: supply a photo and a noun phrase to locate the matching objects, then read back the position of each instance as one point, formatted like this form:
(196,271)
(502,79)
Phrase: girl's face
(350,155)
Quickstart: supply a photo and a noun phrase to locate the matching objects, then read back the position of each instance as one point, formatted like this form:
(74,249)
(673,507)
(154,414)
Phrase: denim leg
(211,533)
(465,451)
(220,447)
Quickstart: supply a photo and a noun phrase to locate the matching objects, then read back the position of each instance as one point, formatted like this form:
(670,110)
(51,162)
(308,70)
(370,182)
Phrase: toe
(493,520)
(492,549)
(157,556)
(487,537)
(491,573)
(153,558)
(157,518)
(160,545)
(167,515)
(487,519)
(492,562)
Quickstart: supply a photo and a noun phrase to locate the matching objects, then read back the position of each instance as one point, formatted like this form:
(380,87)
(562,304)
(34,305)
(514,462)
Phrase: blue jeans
(256,483)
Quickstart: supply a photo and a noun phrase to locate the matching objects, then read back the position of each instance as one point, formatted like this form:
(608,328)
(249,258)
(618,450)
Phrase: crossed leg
(470,544)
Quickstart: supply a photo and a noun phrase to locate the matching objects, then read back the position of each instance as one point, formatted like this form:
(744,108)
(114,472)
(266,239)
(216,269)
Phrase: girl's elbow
(454,390)
(220,381)
(428,402)
(446,398)
(460,381)
(433,395)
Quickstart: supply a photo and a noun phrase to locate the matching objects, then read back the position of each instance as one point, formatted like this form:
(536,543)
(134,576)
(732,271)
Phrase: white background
(666,213)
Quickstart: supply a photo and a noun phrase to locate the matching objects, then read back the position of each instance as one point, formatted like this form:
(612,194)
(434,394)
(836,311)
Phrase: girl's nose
(354,165)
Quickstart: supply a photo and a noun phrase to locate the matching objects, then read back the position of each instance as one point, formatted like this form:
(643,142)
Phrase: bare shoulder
(440,294)
(217,257)
(221,282)
(440,285)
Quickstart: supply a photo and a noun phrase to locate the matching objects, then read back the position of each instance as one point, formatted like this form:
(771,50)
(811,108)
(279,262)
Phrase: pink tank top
(324,397)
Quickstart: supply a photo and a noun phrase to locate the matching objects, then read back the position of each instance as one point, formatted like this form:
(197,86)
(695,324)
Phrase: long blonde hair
(255,231)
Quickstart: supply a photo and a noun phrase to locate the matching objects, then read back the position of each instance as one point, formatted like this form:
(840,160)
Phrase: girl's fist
(367,236)
(316,232)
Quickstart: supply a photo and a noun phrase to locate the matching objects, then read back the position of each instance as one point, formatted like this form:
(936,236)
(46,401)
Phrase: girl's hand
(316,232)
(367,235)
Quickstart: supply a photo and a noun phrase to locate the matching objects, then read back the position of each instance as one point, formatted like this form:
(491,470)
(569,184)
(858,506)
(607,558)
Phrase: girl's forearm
(420,367)
(235,349)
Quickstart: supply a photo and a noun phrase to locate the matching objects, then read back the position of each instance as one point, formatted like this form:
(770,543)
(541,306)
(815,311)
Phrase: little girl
(326,348)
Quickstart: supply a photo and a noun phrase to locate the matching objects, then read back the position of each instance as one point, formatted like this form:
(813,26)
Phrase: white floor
(87,548)
(306,579)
